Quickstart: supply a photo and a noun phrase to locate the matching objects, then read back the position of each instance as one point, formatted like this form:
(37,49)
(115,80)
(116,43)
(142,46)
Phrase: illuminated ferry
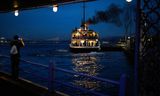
(84,40)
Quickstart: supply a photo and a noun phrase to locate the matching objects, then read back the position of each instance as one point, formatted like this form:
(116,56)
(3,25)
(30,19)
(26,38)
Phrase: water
(110,65)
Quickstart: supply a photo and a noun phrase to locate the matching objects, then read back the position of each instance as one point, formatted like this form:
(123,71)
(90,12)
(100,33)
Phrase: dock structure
(111,48)
(22,87)
(9,87)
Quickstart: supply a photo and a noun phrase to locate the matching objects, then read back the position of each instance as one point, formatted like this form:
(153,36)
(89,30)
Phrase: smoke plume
(110,15)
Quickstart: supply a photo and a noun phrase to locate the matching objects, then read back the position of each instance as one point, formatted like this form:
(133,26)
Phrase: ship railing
(84,46)
(85,37)
(51,80)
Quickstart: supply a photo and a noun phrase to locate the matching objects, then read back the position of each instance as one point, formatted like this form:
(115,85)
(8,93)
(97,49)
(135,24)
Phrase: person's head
(16,37)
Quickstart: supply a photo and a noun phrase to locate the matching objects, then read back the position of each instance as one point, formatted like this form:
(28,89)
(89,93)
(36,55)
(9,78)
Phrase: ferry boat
(84,40)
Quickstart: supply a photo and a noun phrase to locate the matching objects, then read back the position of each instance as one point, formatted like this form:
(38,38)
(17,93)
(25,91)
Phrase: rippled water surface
(110,65)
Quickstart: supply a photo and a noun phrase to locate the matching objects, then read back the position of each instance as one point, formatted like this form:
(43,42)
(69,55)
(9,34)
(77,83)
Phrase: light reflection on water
(88,65)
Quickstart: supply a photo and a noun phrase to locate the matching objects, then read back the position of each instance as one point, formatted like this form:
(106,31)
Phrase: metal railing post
(122,90)
(137,46)
(51,76)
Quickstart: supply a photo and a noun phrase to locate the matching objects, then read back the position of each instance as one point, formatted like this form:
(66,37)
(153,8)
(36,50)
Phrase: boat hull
(84,50)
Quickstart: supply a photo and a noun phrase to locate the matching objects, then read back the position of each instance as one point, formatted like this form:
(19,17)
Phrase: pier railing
(51,81)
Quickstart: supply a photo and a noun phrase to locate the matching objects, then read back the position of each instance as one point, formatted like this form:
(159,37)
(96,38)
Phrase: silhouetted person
(16,43)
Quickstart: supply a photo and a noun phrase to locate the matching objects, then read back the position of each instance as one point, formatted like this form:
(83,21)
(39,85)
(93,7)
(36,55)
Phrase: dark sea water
(109,65)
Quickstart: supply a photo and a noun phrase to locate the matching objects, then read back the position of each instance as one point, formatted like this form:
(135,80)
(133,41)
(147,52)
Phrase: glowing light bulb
(55,8)
(16,13)
(129,1)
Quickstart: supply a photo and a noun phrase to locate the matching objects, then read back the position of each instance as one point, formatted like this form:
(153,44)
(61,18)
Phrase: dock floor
(20,87)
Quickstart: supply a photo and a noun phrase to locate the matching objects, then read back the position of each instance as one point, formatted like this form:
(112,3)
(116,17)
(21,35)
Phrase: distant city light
(16,13)
(55,8)
(129,1)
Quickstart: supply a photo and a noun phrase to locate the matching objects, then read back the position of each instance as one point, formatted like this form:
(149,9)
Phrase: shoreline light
(16,13)
(55,8)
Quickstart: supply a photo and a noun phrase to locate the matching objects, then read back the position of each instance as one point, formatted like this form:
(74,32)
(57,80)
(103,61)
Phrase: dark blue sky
(43,23)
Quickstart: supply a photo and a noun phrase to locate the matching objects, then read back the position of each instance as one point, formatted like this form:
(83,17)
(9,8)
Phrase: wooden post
(122,90)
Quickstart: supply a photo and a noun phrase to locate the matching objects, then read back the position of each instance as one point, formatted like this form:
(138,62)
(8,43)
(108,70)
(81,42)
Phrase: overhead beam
(11,5)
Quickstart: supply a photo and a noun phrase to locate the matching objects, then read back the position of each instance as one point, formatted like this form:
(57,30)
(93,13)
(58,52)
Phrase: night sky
(44,24)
